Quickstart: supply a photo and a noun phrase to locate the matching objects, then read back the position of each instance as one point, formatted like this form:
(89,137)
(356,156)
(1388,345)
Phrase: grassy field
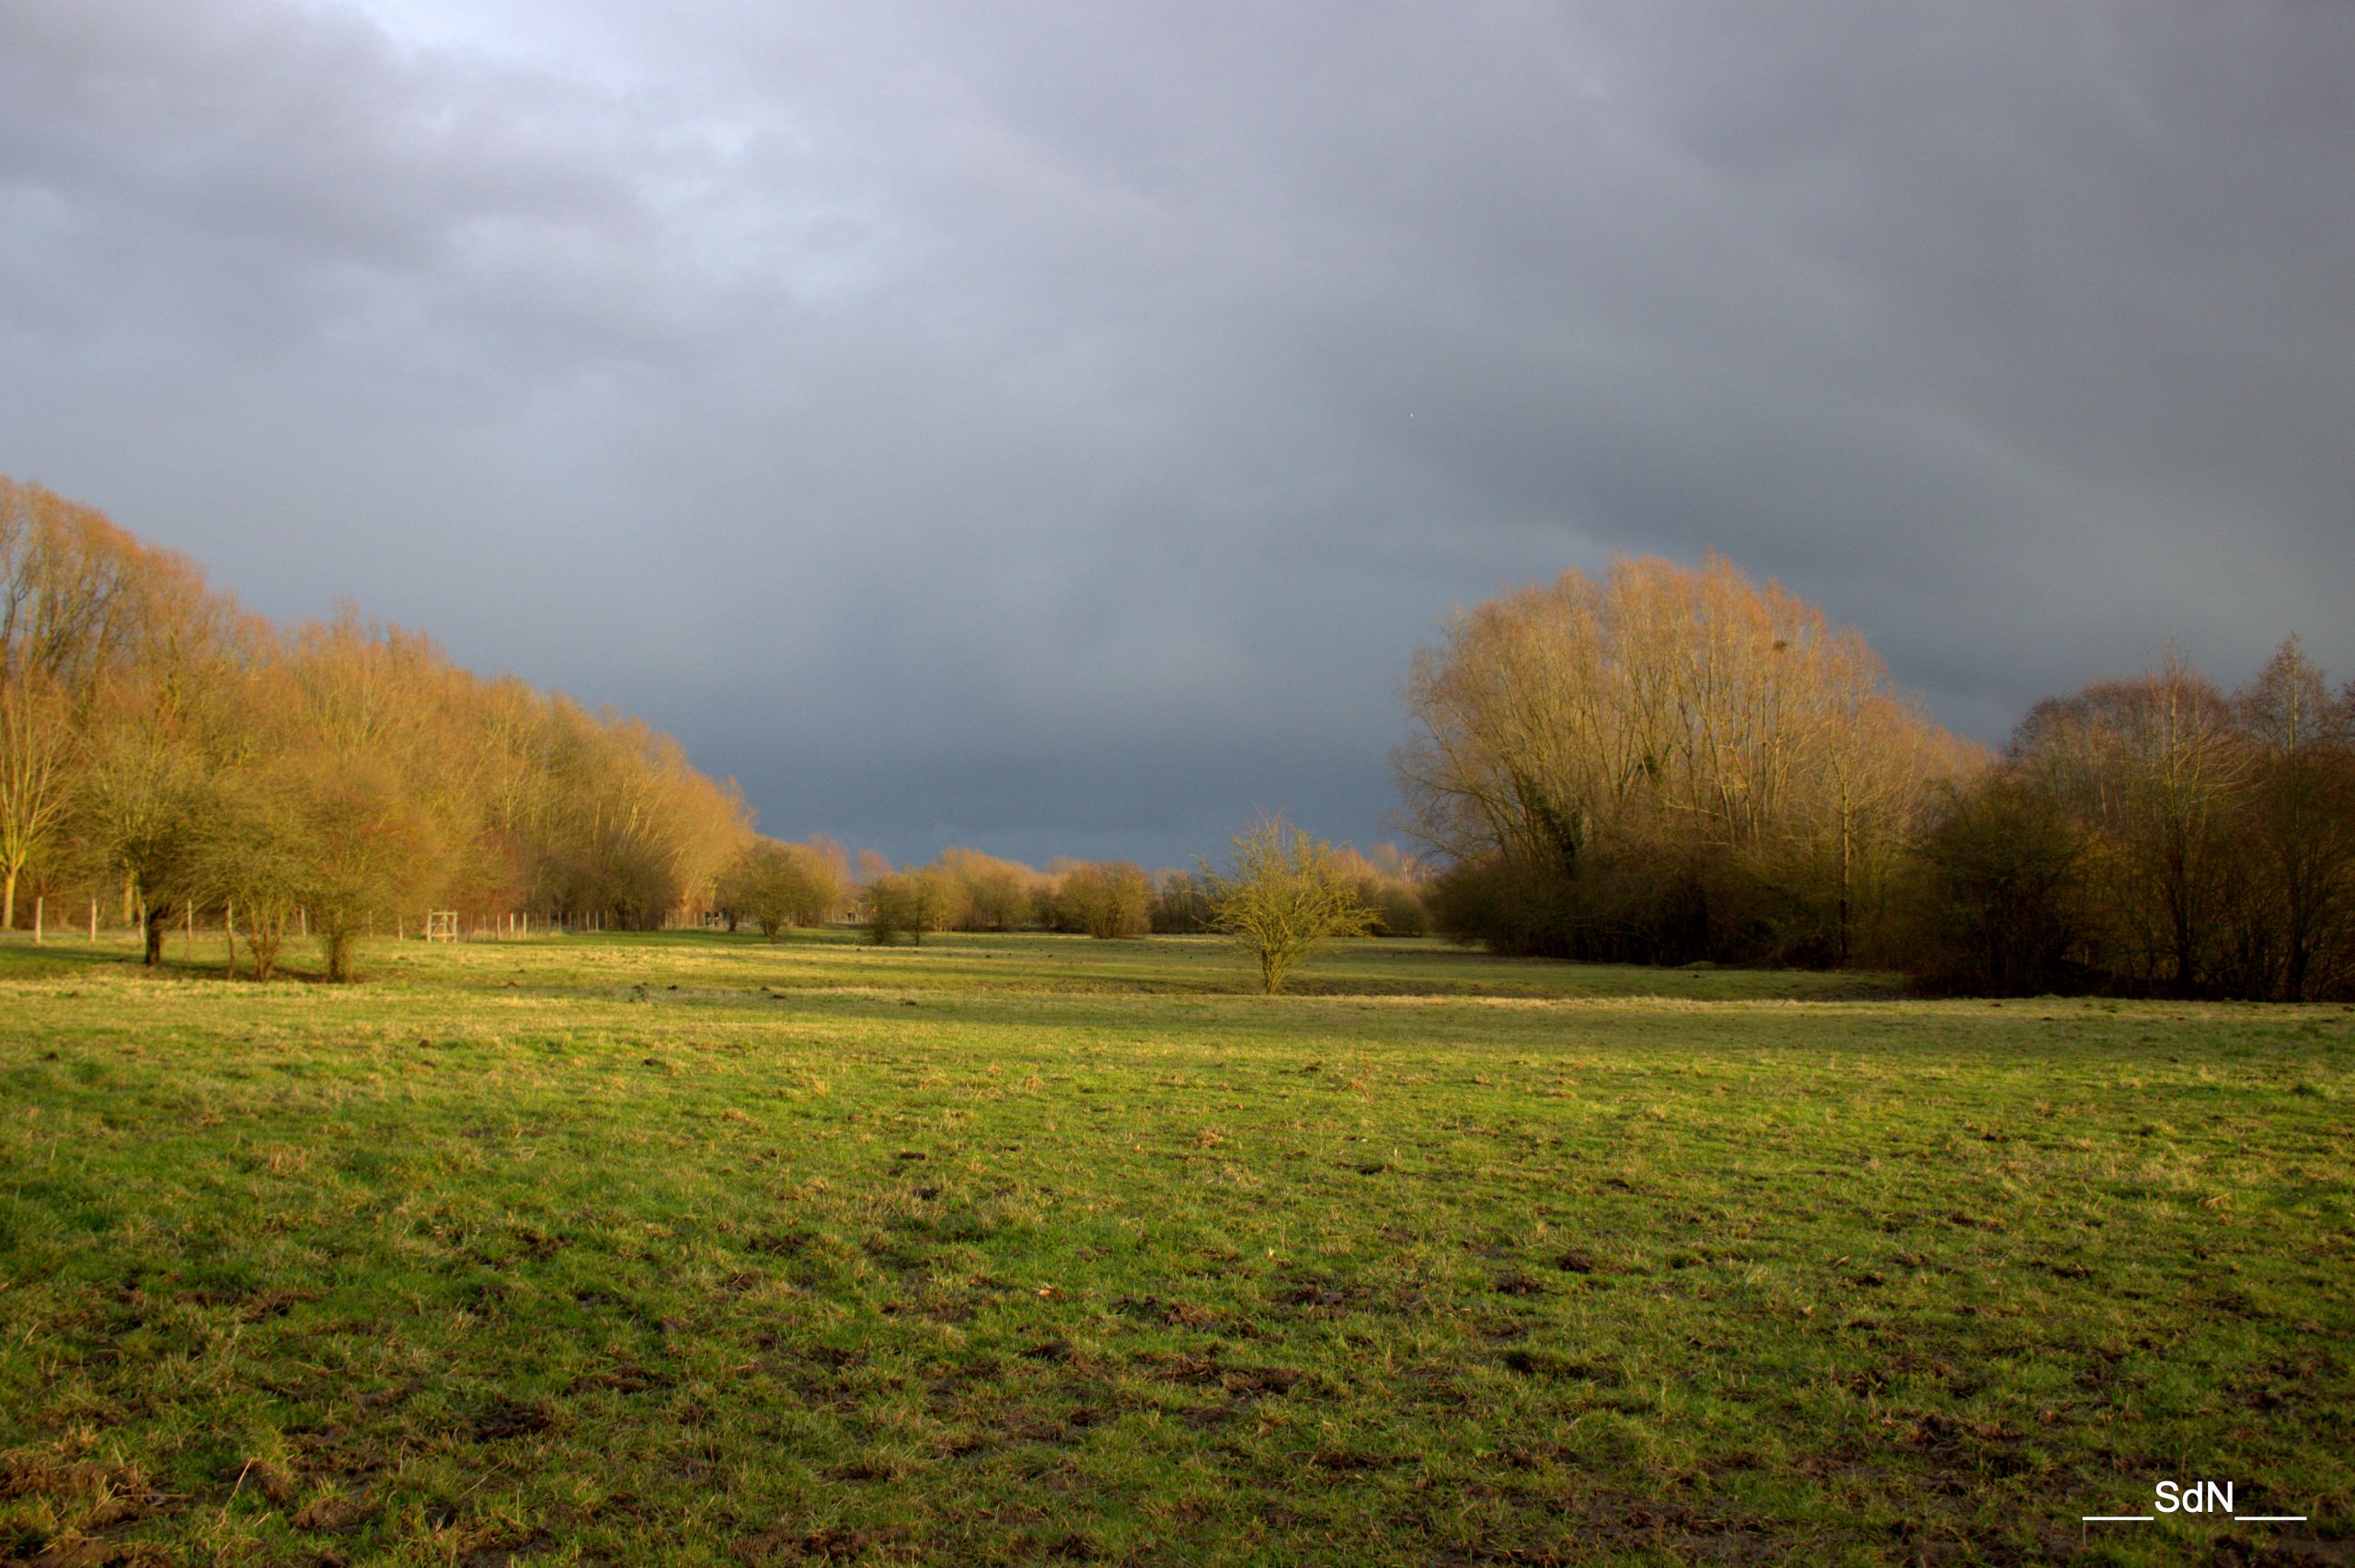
(689,1249)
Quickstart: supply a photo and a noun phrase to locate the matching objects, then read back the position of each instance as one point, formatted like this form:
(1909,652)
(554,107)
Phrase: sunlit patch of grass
(699,1249)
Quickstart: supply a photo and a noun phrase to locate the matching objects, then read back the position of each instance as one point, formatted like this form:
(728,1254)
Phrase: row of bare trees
(1669,764)
(2154,835)
(1662,765)
(966,890)
(164,751)
(778,886)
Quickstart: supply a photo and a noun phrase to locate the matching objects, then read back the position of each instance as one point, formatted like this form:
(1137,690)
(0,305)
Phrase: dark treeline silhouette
(1671,765)
(2152,835)
(163,752)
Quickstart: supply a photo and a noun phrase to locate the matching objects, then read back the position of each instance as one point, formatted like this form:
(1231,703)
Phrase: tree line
(1672,764)
(170,756)
(164,753)
(2154,835)
(777,886)
(1664,764)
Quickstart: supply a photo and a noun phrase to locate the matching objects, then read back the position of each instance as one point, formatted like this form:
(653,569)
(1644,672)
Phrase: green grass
(694,1250)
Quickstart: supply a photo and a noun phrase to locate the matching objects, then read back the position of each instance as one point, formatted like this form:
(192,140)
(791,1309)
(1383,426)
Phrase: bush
(1288,892)
(1107,900)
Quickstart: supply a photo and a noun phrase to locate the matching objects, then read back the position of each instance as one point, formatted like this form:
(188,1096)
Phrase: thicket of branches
(965,889)
(162,749)
(777,886)
(1666,765)
(1672,764)
(2157,836)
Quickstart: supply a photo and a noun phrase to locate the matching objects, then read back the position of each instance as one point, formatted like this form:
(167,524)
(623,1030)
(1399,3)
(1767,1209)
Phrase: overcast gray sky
(1051,427)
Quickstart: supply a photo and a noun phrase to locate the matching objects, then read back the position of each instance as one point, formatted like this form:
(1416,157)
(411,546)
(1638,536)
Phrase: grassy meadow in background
(692,1249)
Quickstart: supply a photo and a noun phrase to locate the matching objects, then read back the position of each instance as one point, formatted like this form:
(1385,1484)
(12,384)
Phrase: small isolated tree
(1288,892)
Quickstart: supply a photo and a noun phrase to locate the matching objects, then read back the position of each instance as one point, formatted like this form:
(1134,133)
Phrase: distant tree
(1391,885)
(370,855)
(2151,835)
(1999,895)
(2296,898)
(894,908)
(752,886)
(2150,766)
(139,805)
(249,856)
(731,893)
(778,885)
(1285,893)
(938,900)
(1181,905)
(999,894)
(825,880)
(1107,900)
(116,659)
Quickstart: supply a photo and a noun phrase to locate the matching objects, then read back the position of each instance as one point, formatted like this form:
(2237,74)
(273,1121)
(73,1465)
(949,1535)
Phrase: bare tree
(1107,900)
(2151,764)
(2300,825)
(1000,895)
(370,853)
(36,742)
(1666,763)
(249,856)
(1284,894)
(894,908)
(2151,835)
(778,886)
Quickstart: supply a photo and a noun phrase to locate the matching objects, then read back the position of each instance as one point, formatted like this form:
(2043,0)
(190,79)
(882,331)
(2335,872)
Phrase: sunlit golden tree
(1664,763)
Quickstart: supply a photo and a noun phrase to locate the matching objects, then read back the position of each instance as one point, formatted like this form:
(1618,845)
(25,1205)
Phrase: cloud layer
(1051,427)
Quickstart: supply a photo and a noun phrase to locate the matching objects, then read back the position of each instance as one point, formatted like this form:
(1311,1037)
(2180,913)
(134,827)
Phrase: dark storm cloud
(1052,427)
